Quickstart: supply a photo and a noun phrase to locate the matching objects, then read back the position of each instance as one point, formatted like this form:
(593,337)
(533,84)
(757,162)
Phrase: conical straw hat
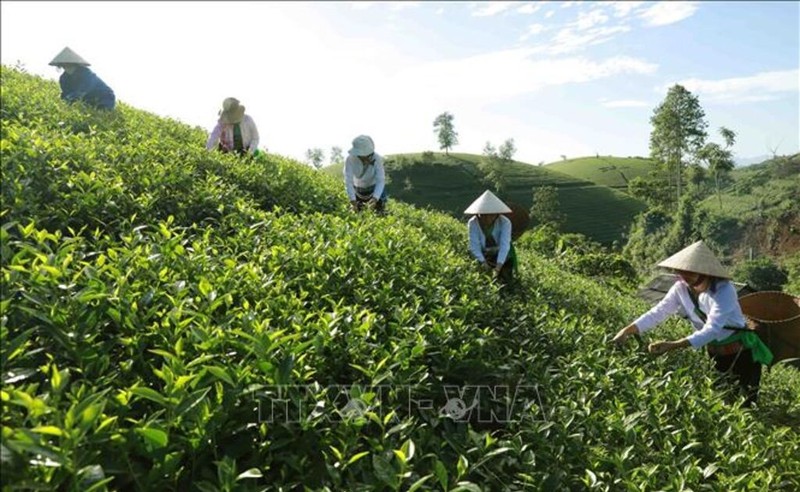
(487,203)
(69,56)
(696,258)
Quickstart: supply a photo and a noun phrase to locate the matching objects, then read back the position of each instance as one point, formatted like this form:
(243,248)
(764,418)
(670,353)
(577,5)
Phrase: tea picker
(79,83)
(705,294)
(490,236)
(365,177)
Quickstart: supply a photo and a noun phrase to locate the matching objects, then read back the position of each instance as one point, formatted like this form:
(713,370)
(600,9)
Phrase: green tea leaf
(155,437)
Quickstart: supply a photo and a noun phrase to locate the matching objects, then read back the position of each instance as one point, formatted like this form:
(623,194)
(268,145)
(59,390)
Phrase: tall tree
(490,166)
(679,131)
(507,150)
(336,155)
(315,156)
(443,126)
(719,159)
(489,150)
(546,208)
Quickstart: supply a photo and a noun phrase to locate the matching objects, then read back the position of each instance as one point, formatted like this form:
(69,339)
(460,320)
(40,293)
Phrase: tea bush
(173,319)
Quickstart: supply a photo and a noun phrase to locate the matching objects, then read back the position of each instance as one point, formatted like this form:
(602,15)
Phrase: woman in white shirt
(490,236)
(235,131)
(364,176)
(706,296)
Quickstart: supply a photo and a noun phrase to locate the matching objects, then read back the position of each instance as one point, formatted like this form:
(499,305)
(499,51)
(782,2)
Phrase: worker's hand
(354,205)
(625,333)
(373,202)
(658,348)
(486,265)
(497,268)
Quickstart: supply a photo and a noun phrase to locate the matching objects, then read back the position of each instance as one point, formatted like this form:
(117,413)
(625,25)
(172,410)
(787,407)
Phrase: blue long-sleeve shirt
(83,84)
(501,232)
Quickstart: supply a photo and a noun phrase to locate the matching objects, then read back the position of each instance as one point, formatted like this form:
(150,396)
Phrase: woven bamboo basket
(519,217)
(776,318)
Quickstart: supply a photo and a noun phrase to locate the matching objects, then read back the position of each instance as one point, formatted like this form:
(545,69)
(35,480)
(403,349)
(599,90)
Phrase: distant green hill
(760,189)
(450,183)
(614,172)
(760,207)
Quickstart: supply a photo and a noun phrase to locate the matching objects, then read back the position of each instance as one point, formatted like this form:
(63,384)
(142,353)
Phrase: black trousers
(744,369)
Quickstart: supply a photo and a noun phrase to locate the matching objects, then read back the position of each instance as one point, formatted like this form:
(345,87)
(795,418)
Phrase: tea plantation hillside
(173,319)
(450,182)
(762,201)
(614,172)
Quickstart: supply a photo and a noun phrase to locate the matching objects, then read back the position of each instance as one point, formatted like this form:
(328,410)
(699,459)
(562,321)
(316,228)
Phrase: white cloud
(590,27)
(567,5)
(764,86)
(568,40)
(663,13)
(439,11)
(475,80)
(533,30)
(549,14)
(587,20)
(530,8)
(623,9)
(488,9)
(625,103)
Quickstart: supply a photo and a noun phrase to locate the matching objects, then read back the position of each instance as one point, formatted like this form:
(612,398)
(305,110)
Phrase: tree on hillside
(546,208)
(336,155)
(507,150)
(649,190)
(719,159)
(761,274)
(678,132)
(443,126)
(490,166)
(315,156)
(489,150)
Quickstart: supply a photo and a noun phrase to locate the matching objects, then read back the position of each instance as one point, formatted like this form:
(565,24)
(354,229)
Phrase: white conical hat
(487,203)
(68,56)
(696,258)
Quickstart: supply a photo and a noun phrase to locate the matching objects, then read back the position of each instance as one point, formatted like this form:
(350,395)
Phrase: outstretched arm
(213,139)
(254,138)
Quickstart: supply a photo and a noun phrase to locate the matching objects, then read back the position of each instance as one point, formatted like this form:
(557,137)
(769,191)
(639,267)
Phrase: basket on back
(776,316)
(519,217)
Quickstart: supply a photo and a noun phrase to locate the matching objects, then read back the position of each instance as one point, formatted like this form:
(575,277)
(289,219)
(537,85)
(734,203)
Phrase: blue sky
(561,78)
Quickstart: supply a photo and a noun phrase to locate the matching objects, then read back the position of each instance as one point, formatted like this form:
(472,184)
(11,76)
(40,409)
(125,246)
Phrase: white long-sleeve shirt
(224,132)
(501,232)
(356,174)
(721,308)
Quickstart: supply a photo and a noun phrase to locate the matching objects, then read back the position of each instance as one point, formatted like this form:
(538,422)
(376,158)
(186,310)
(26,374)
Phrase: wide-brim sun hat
(67,57)
(362,146)
(232,111)
(487,203)
(697,258)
